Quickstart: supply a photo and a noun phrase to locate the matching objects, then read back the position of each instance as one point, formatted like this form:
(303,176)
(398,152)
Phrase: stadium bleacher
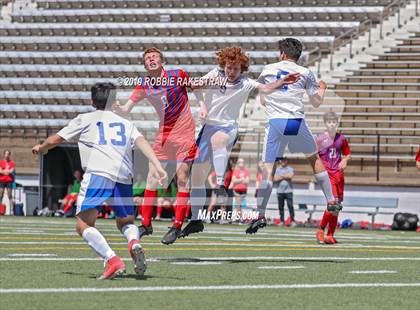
(50,56)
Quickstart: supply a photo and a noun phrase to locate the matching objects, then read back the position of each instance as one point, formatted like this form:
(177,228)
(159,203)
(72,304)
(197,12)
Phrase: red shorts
(177,143)
(337,184)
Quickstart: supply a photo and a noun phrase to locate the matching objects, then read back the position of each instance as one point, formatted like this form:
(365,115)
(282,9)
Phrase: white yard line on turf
(280,244)
(31,255)
(372,271)
(196,263)
(199,288)
(205,234)
(224,258)
(211,229)
(281,267)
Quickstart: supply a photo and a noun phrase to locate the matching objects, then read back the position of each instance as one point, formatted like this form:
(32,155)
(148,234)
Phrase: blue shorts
(282,132)
(204,140)
(96,190)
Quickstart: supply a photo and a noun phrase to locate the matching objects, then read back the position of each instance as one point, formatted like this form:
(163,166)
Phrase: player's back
(287,101)
(105,141)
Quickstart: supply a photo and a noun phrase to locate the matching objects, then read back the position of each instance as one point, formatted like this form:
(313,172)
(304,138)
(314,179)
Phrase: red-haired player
(334,152)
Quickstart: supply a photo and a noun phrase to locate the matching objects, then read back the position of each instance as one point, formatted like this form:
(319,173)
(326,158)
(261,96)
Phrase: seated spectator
(68,202)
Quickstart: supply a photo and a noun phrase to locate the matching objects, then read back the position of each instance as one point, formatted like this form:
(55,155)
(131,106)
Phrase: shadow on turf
(126,276)
(235,261)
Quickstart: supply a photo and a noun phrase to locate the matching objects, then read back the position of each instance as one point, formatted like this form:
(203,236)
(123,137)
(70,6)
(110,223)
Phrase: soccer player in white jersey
(106,142)
(286,124)
(220,113)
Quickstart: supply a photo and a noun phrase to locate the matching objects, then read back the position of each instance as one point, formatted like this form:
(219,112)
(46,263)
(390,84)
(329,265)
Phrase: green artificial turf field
(222,268)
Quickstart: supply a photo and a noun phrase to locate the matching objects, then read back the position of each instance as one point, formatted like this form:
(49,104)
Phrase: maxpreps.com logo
(227,215)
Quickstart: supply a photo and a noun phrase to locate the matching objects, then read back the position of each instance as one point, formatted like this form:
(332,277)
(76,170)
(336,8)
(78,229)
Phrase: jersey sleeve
(418,155)
(74,128)
(184,75)
(252,84)
(312,86)
(211,74)
(261,78)
(138,93)
(345,148)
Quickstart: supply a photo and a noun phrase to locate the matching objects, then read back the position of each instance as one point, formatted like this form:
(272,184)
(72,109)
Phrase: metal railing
(373,153)
(350,35)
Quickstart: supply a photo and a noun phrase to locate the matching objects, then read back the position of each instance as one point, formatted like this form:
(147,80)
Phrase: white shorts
(282,132)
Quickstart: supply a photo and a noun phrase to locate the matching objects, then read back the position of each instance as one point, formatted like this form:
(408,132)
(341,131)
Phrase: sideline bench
(371,205)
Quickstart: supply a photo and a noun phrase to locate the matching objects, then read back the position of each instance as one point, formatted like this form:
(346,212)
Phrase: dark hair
(330,116)
(291,47)
(103,93)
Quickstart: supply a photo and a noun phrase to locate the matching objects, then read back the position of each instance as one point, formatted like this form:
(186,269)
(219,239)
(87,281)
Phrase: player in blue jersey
(106,141)
(286,125)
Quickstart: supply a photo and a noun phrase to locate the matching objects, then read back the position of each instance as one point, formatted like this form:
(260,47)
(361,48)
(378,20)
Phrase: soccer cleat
(335,240)
(221,195)
(137,254)
(144,231)
(171,236)
(329,239)
(192,228)
(113,267)
(320,236)
(255,225)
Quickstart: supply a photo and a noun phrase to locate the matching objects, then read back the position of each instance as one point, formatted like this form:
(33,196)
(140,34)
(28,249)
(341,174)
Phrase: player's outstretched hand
(203,112)
(162,176)
(119,108)
(322,84)
(36,150)
(291,78)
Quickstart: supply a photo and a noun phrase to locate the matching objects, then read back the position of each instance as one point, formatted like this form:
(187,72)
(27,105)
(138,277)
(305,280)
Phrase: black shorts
(6,185)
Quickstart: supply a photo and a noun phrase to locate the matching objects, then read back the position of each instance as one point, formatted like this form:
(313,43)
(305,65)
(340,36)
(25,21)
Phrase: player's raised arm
(137,95)
(50,143)
(270,87)
(316,92)
(147,150)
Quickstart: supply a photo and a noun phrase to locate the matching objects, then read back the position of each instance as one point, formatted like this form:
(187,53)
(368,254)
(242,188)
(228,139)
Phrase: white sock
(131,232)
(220,159)
(323,180)
(97,242)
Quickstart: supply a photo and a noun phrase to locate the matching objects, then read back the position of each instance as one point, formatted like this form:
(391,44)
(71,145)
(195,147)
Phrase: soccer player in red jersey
(334,152)
(418,159)
(175,140)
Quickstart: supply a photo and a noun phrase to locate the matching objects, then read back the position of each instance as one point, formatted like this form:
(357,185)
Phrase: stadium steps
(123,4)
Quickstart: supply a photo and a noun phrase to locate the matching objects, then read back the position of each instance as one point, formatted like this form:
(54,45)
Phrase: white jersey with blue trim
(287,101)
(224,102)
(106,141)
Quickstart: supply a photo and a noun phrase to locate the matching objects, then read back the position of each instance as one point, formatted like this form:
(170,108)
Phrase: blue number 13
(120,133)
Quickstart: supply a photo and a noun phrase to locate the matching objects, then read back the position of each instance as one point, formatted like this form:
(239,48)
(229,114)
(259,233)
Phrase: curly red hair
(233,55)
